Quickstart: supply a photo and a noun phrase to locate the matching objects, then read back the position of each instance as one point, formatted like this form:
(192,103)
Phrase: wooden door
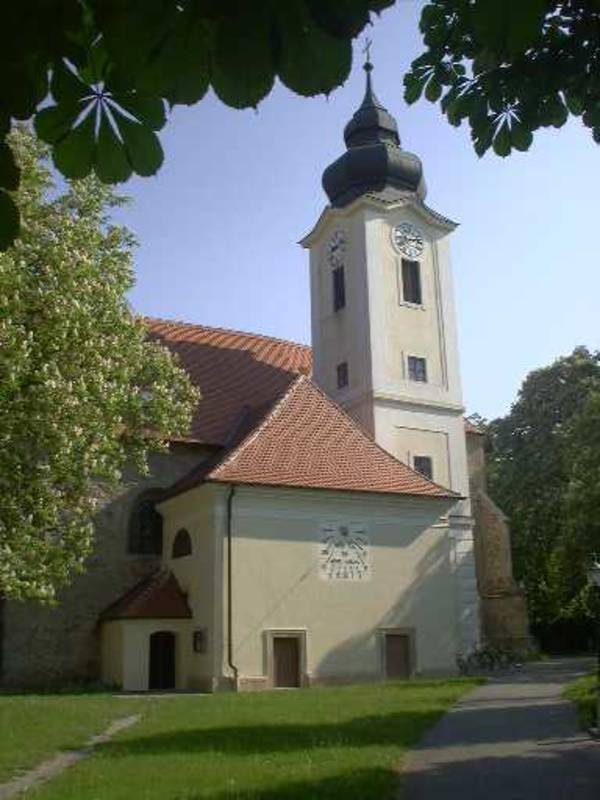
(286,661)
(397,655)
(162,660)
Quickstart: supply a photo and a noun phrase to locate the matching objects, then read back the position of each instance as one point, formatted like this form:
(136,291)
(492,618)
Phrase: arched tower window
(182,544)
(145,526)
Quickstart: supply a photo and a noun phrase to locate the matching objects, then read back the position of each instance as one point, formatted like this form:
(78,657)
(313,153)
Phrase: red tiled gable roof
(157,597)
(306,440)
(234,371)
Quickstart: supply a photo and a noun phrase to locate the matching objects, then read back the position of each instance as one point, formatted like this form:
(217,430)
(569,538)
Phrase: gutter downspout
(230,663)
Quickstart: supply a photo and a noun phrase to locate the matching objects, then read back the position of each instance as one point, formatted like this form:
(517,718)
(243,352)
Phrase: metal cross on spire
(367,66)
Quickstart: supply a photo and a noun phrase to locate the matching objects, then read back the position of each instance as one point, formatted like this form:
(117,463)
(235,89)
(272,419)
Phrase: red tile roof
(274,424)
(306,440)
(156,597)
(233,370)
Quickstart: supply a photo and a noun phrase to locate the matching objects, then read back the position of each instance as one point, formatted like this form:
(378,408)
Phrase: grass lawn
(583,693)
(323,743)
(35,726)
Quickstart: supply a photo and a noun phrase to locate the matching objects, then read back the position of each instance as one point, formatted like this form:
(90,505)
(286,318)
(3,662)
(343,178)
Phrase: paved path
(513,739)
(61,761)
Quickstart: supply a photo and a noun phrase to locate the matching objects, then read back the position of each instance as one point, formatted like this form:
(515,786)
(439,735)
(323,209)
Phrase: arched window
(145,526)
(182,544)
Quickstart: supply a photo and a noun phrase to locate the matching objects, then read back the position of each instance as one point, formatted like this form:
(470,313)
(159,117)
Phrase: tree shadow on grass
(397,729)
(360,784)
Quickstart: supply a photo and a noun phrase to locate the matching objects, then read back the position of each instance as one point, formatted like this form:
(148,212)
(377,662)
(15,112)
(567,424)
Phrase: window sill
(415,306)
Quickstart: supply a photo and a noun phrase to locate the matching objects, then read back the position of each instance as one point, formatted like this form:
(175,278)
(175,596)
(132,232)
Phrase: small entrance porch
(146,637)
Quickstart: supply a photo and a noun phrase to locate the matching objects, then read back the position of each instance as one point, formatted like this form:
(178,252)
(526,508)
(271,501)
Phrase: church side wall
(46,645)
(278,584)
(198,576)
(406,432)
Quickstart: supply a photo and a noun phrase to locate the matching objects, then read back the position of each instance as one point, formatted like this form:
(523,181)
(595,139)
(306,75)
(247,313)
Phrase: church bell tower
(383,321)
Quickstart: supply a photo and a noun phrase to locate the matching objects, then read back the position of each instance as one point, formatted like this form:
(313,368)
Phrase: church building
(326,519)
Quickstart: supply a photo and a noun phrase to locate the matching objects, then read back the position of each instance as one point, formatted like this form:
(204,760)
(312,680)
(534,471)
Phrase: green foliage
(98,76)
(583,495)
(509,68)
(583,692)
(545,474)
(81,388)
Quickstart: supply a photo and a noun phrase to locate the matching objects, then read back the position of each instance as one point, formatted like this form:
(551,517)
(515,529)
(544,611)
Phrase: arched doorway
(162,660)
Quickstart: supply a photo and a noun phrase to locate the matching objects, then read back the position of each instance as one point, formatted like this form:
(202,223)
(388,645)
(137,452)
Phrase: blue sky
(219,225)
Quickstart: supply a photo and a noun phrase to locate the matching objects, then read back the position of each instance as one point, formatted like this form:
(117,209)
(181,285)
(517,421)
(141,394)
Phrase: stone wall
(504,619)
(51,645)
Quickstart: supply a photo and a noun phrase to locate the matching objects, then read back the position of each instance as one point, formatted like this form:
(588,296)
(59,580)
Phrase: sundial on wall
(344,552)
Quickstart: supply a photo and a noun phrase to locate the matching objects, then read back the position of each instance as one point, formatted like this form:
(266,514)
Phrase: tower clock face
(336,249)
(408,239)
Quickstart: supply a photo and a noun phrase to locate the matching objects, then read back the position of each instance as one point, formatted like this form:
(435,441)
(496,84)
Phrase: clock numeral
(336,248)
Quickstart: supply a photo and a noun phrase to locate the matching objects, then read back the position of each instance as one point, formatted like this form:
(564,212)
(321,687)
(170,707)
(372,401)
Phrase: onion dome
(374,159)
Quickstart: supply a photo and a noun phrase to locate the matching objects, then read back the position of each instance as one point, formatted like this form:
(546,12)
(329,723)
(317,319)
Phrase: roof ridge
(218,329)
(236,451)
(365,433)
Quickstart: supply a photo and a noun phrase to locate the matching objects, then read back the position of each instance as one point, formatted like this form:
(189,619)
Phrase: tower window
(423,465)
(411,282)
(417,369)
(342,375)
(339,288)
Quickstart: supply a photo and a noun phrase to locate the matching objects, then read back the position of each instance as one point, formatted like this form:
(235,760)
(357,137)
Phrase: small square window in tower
(411,282)
(423,465)
(339,288)
(342,375)
(417,369)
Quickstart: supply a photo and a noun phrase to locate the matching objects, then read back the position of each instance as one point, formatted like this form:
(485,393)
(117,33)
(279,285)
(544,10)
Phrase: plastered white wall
(277,582)
(198,575)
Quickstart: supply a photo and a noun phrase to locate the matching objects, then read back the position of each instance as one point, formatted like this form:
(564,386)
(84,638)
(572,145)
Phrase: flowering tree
(82,390)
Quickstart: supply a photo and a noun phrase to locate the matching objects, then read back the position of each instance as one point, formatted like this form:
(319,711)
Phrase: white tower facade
(383,321)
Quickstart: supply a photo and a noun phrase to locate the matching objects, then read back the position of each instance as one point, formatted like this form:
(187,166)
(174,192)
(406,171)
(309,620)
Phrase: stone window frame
(404,630)
(269,659)
(410,279)
(416,367)
(421,460)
